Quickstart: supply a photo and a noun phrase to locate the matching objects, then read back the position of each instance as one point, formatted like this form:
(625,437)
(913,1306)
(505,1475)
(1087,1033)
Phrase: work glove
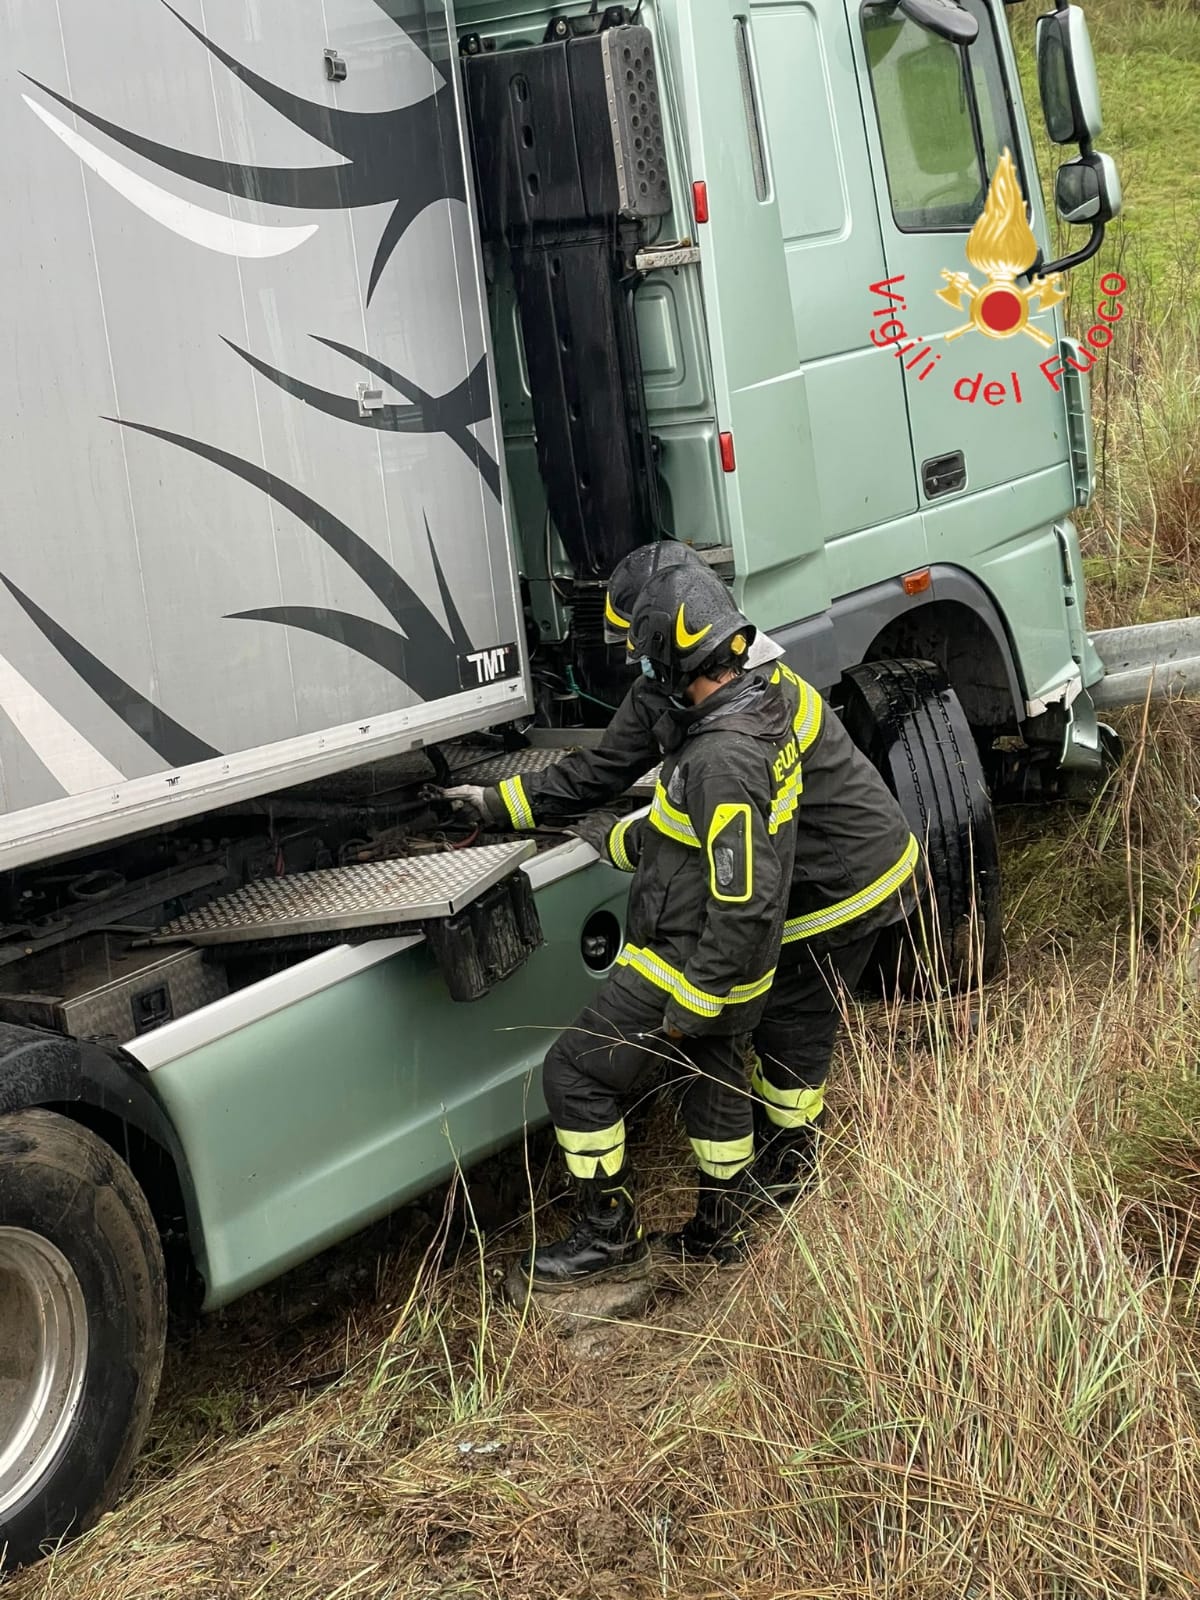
(594,829)
(469,801)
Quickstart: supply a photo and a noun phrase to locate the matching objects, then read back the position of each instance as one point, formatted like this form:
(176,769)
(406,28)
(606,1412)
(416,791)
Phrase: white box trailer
(252,526)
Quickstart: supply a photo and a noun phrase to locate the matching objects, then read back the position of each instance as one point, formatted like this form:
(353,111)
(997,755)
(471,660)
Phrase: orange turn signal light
(916,582)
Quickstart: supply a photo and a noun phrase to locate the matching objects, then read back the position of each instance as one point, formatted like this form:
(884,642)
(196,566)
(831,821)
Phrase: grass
(964,1367)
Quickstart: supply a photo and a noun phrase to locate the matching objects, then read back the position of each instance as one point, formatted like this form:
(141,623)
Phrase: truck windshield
(944,117)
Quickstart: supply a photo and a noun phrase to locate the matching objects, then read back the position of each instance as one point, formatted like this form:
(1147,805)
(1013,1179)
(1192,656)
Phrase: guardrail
(1158,659)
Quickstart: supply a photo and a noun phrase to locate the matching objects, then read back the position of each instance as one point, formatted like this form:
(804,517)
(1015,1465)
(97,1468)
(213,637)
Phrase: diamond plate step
(377,893)
(488,768)
(491,769)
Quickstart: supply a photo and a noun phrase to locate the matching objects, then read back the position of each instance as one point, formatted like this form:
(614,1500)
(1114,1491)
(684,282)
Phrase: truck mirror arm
(1076,258)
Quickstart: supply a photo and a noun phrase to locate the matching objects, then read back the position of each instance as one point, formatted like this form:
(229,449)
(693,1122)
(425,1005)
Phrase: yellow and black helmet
(685,623)
(630,577)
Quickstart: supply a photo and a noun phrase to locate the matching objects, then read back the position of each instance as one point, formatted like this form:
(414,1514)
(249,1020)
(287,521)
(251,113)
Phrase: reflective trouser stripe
(671,981)
(856,905)
(723,1158)
(601,1150)
(516,803)
(787,1108)
(617,852)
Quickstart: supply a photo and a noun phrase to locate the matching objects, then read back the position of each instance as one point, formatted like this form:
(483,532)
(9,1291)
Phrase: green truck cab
(731,256)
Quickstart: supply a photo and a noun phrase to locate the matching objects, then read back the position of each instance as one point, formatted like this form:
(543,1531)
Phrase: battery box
(98,988)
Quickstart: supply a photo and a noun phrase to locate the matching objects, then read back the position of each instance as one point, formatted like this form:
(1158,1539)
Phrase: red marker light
(700,200)
(727,458)
(916,582)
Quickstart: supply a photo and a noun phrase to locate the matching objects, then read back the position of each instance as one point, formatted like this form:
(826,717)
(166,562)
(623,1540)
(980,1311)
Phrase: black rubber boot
(606,1242)
(716,1235)
(786,1162)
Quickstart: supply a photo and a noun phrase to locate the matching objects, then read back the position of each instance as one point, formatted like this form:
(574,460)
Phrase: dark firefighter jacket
(856,860)
(709,892)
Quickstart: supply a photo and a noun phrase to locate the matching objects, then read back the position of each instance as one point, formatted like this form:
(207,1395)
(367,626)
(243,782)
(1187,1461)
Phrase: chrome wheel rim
(43,1359)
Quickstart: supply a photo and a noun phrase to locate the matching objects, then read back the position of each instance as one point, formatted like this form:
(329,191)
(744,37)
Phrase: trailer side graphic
(381,364)
(363,139)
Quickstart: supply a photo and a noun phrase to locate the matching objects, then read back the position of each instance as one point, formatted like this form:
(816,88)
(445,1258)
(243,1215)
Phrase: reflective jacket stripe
(677,824)
(671,981)
(516,803)
(806,724)
(855,905)
(787,798)
(670,820)
(617,852)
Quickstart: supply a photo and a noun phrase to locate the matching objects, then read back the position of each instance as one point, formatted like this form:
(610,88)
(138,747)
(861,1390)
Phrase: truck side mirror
(943,17)
(1067,81)
(1088,189)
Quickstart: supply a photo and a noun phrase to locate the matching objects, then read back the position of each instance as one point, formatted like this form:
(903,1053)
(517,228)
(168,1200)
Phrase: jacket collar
(749,702)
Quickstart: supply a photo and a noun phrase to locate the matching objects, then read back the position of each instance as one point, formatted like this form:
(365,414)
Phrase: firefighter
(706,911)
(856,873)
(629,747)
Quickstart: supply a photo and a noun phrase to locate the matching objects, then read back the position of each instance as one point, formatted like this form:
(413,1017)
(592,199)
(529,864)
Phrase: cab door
(938,118)
(818,172)
(760,387)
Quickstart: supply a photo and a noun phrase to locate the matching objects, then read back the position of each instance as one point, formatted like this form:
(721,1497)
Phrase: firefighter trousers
(593,1069)
(793,1044)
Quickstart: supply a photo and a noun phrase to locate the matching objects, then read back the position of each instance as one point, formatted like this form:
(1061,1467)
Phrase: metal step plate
(378,893)
(490,768)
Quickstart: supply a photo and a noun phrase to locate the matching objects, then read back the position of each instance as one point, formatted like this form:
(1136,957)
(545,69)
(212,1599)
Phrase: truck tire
(82,1328)
(908,720)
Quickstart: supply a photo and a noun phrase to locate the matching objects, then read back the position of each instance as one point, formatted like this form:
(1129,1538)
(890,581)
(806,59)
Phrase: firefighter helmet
(630,577)
(685,623)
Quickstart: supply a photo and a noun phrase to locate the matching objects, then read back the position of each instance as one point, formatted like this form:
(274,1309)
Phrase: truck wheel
(82,1327)
(908,720)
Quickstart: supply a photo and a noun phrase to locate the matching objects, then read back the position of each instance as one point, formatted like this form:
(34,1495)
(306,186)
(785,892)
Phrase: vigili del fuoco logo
(1001,247)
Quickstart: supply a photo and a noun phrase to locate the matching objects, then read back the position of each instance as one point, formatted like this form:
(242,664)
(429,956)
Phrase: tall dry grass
(1142,533)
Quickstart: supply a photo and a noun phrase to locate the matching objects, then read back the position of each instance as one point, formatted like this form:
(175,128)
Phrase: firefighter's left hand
(594,829)
(671,1032)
